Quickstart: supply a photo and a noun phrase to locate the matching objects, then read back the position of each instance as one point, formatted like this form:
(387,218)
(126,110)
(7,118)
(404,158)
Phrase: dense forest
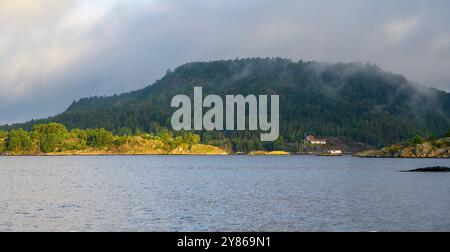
(353,101)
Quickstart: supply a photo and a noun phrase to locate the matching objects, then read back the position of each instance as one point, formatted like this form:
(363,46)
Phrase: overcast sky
(53,52)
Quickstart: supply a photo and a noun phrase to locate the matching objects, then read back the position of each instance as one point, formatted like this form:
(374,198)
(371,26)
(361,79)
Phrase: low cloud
(52,52)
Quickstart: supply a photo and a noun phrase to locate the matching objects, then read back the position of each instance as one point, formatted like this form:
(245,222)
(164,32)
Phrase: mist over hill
(354,101)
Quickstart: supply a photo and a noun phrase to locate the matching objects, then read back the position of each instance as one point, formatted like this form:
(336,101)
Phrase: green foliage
(121,140)
(190,138)
(18,142)
(99,138)
(448,133)
(78,133)
(51,136)
(124,131)
(54,137)
(76,139)
(138,132)
(3,135)
(418,140)
(279,144)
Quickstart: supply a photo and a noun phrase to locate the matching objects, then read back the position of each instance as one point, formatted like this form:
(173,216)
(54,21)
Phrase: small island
(416,148)
(430,169)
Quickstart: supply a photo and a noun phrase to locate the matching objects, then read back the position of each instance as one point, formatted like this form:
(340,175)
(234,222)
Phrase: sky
(53,52)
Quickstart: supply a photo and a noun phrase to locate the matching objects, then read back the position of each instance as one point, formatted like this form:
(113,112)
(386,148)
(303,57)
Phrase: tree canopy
(54,138)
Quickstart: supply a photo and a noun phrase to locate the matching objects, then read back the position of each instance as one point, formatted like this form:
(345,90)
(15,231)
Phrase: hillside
(353,101)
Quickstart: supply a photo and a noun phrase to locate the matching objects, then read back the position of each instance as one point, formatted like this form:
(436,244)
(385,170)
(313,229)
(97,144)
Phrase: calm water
(232,193)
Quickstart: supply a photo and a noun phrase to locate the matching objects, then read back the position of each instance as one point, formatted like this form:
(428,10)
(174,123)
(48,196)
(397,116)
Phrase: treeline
(418,139)
(54,137)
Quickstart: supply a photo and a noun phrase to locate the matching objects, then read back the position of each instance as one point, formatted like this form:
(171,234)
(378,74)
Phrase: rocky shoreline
(439,148)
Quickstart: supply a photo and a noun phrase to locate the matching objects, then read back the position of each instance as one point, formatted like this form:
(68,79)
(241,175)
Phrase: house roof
(313,138)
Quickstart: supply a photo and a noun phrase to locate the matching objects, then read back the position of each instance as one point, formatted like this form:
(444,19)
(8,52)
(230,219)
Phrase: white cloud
(399,29)
(40,39)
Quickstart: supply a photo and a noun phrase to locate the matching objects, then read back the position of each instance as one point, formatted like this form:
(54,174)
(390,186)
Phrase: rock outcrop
(431,149)
(431,169)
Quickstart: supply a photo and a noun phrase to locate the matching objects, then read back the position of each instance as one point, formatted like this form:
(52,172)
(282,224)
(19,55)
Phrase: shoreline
(205,154)
(403,157)
(159,154)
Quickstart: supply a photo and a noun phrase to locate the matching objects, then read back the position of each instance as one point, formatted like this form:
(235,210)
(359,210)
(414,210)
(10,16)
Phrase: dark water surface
(222,193)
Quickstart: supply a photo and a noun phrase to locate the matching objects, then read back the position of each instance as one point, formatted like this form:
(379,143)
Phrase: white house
(313,140)
(335,152)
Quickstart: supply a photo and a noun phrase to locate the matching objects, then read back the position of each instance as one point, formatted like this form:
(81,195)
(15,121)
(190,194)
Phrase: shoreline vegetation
(53,139)
(416,148)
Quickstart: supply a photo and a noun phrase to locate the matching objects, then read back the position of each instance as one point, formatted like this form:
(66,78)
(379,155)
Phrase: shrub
(417,140)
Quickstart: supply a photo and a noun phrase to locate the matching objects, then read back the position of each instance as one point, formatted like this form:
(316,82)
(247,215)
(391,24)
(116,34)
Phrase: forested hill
(357,101)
